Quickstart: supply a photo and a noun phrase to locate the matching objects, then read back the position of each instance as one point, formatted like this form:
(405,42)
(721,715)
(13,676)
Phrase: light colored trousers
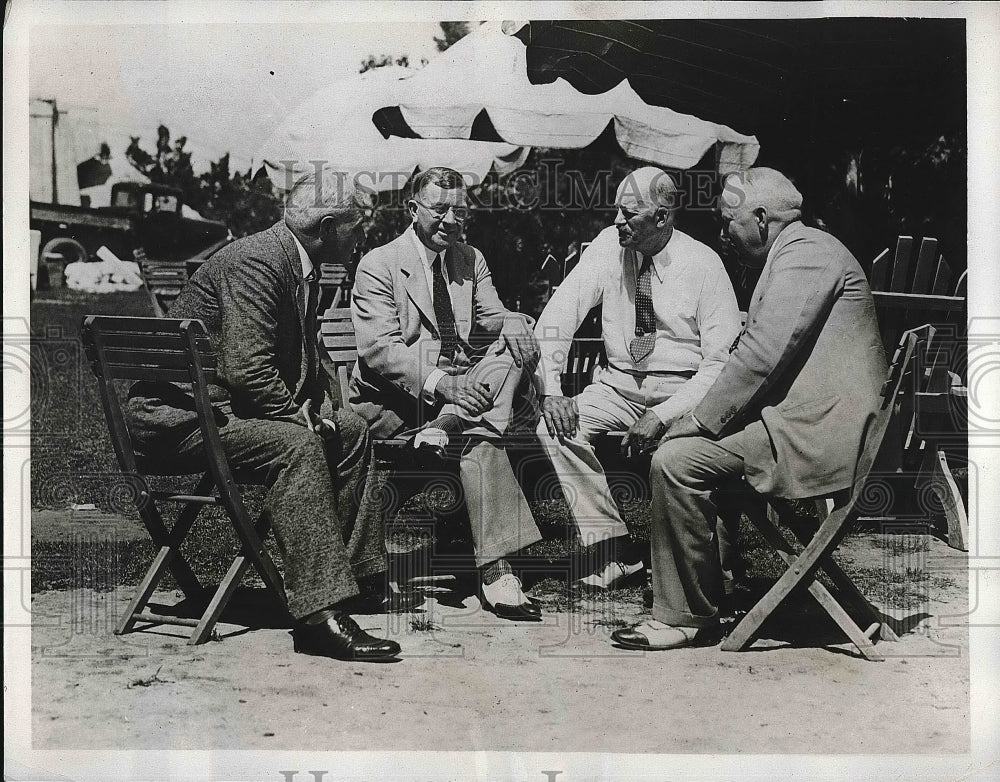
(613,402)
(500,519)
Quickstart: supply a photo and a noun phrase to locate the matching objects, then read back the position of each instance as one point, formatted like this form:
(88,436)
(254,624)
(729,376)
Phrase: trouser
(500,519)
(602,408)
(687,580)
(328,530)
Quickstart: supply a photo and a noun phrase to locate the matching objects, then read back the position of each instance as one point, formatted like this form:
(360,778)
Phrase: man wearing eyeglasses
(669,315)
(439,355)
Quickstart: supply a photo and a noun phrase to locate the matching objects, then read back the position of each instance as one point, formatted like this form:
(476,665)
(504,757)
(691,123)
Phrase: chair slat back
(146,348)
(584,356)
(164,281)
(926,256)
(341,345)
(901,374)
(901,264)
(153,349)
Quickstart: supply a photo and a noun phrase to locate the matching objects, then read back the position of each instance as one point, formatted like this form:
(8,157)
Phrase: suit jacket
(250,297)
(809,365)
(398,339)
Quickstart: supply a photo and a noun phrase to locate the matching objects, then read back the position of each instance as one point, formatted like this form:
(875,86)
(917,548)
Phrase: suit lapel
(460,286)
(411,266)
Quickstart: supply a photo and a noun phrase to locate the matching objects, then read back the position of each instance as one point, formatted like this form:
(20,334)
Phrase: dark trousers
(328,529)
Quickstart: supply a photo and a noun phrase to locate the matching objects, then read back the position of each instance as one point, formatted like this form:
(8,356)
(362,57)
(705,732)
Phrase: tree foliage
(243,203)
(450,33)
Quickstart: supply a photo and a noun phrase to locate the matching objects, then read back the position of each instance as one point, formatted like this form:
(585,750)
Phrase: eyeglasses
(441,211)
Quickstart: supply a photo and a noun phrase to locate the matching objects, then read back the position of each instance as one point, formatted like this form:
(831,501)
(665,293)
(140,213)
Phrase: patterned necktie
(443,312)
(645,321)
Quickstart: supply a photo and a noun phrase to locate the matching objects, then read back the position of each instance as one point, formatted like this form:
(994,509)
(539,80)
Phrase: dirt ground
(469,681)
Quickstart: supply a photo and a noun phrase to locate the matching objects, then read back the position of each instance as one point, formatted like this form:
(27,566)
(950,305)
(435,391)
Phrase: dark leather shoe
(505,599)
(429,457)
(341,638)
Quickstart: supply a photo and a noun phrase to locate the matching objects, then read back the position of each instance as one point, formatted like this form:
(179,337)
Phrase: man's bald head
(755,207)
(649,186)
(767,188)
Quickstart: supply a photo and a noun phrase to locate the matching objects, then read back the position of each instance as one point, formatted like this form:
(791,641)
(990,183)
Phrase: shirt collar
(304,259)
(660,261)
(426,253)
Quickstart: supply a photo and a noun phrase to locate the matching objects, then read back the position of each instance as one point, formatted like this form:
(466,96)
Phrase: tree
(451,32)
(171,165)
(243,203)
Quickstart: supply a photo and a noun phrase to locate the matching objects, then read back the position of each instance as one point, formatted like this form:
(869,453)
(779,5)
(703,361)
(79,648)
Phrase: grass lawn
(73,463)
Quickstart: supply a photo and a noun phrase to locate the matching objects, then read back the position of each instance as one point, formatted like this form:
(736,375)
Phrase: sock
(449,423)
(493,571)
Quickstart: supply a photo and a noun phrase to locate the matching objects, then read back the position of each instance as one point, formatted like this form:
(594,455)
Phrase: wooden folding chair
(811,554)
(161,349)
(164,281)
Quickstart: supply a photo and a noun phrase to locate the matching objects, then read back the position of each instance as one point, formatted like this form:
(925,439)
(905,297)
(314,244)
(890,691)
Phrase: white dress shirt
(697,317)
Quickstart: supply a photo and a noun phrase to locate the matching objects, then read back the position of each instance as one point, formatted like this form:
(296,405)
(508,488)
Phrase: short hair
(764,187)
(650,185)
(319,194)
(445,178)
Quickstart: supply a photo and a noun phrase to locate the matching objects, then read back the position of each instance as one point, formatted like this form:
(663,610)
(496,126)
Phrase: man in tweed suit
(419,304)
(789,410)
(257,299)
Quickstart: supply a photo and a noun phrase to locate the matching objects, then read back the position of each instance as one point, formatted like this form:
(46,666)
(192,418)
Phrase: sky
(224,86)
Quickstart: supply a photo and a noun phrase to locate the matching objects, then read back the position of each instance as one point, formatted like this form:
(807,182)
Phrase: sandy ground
(470,681)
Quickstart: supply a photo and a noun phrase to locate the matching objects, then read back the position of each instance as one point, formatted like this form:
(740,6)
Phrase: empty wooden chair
(164,281)
(161,349)
(911,290)
(334,286)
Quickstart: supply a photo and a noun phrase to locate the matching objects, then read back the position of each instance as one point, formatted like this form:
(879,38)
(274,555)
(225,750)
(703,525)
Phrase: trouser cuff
(682,618)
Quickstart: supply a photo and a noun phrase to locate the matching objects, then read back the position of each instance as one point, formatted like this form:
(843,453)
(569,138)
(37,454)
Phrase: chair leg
(844,583)
(814,555)
(220,599)
(168,557)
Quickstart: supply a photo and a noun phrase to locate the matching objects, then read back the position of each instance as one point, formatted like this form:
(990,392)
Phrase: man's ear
(327,226)
(760,215)
(411,207)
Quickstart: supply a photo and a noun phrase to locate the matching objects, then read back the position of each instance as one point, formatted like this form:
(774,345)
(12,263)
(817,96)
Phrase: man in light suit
(788,412)
(421,304)
(257,298)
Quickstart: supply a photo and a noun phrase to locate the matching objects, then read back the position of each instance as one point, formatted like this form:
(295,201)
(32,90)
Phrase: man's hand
(324,427)
(518,337)
(561,416)
(643,435)
(472,396)
(685,426)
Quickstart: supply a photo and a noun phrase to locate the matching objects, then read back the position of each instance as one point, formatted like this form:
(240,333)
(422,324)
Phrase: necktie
(443,312)
(645,321)
(312,304)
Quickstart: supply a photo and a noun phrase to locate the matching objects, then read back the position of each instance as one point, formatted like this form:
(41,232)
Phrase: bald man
(788,412)
(669,317)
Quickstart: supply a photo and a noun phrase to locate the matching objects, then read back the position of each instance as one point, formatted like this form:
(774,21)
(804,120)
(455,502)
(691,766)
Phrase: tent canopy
(333,128)
(479,89)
